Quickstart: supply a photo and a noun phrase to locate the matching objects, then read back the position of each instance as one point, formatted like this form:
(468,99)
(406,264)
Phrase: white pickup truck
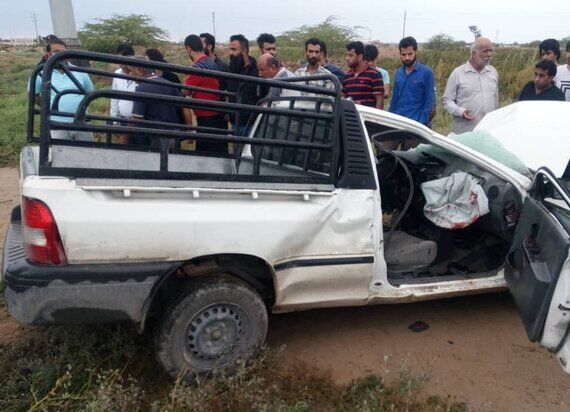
(320,205)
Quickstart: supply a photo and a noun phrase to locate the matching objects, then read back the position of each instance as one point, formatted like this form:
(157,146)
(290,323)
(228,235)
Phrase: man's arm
(87,83)
(450,96)
(434,108)
(386,90)
(379,101)
(395,95)
(114,108)
(386,79)
(187,114)
(429,85)
(497,91)
(37,88)
(378,90)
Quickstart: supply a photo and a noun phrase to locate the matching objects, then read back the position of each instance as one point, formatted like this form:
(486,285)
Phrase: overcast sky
(513,20)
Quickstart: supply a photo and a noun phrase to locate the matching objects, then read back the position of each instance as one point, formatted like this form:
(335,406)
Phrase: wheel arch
(256,272)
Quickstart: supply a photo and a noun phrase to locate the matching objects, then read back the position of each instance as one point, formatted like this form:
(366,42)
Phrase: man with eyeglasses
(472,89)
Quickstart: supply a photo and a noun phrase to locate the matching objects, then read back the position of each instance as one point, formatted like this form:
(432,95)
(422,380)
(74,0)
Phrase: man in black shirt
(542,87)
(242,63)
(154,110)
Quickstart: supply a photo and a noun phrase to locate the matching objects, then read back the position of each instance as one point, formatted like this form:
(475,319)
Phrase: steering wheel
(377,141)
(382,158)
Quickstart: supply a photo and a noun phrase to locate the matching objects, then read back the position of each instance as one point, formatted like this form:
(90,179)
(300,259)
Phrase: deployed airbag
(454,202)
(483,142)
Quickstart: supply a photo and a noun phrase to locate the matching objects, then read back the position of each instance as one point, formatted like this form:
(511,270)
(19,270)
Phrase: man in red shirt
(362,83)
(204,118)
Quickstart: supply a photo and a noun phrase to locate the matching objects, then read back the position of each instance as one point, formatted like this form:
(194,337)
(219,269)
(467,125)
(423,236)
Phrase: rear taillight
(41,237)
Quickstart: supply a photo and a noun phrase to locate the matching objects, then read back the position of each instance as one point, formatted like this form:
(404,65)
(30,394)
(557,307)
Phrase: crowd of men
(472,89)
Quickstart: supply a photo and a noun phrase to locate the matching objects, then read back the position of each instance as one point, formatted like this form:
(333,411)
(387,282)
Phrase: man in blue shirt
(413,93)
(68,103)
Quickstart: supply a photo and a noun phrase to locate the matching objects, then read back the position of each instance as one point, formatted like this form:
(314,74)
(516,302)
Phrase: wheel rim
(214,335)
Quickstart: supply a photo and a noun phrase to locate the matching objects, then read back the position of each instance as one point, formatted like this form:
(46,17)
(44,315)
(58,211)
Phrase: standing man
(47,54)
(266,44)
(209,43)
(542,87)
(337,71)
(549,49)
(242,63)
(123,108)
(153,110)
(370,55)
(270,68)
(413,93)
(204,118)
(472,89)
(68,103)
(363,84)
(563,75)
(313,66)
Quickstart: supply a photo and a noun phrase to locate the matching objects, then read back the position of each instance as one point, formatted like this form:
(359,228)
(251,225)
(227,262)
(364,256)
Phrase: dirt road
(475,348)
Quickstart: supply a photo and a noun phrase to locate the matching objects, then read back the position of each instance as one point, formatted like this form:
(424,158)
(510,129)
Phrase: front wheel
(212,326)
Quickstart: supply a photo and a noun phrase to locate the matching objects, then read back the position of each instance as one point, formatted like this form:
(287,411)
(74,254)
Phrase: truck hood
(537,132)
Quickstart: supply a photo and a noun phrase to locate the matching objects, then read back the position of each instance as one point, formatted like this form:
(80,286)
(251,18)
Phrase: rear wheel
(215,323)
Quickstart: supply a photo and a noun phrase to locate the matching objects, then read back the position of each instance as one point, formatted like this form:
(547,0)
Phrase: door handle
(564,308)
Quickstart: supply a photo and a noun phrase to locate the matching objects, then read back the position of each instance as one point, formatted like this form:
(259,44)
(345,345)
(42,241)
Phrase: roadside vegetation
(100,368)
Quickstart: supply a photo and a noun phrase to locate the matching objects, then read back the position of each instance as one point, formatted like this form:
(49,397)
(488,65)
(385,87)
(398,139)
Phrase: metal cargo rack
(318,112)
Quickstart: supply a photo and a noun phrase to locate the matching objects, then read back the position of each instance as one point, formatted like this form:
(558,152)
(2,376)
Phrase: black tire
(215,323)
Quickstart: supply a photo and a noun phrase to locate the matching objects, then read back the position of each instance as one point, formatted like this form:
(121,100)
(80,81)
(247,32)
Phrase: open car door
(537,267)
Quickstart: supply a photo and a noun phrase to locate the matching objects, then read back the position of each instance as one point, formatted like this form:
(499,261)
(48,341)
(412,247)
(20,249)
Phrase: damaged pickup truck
(323,203)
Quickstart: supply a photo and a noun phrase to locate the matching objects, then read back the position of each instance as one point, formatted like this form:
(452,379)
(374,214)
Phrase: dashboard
(504,201)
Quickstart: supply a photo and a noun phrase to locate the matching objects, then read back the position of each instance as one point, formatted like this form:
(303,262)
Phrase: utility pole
(36,26)
(497,38)
(404,27)
(63,21)
(214,23)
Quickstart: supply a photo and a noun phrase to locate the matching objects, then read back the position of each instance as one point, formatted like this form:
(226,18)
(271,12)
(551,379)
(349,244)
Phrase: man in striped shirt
(363,84)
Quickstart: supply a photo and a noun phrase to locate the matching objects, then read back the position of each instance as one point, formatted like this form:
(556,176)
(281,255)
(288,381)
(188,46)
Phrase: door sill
(425,279)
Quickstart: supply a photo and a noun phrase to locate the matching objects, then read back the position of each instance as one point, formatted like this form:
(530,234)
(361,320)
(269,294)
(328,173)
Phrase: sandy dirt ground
(475,349)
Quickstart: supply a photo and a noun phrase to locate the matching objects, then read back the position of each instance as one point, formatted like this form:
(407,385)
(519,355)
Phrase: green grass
(99,368)
(15,69)
(515,68)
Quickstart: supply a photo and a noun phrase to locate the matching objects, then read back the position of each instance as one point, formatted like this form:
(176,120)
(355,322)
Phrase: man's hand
(379,101)
(467,115)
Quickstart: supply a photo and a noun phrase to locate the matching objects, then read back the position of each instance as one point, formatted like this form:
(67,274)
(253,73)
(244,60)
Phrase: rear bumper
(37,294)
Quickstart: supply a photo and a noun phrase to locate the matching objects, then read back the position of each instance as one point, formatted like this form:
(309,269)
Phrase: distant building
(19,42)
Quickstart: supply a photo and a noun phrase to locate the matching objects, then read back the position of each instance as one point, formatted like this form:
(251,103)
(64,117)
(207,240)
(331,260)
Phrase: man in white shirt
(472,90)
(269,68)
(562,78)
(123,108)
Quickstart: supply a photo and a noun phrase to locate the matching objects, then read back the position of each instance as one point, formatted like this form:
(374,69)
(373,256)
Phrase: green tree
(334,35)
(440,42)
(136,29)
